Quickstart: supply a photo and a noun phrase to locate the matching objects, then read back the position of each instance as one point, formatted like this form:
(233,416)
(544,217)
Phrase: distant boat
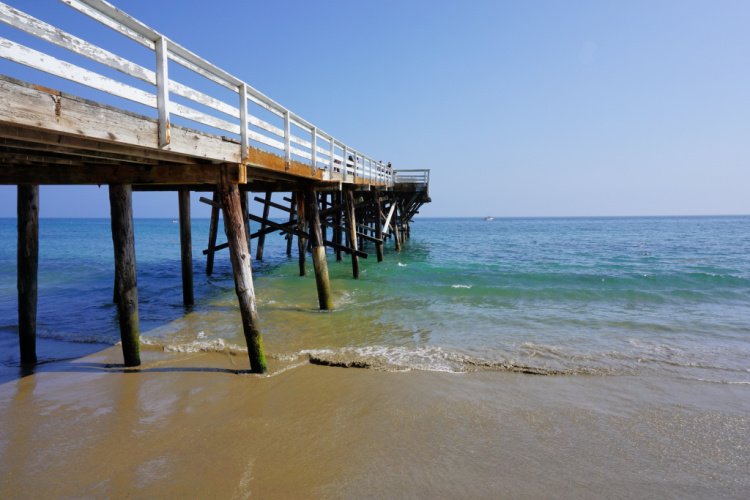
(174,221)
(488,218)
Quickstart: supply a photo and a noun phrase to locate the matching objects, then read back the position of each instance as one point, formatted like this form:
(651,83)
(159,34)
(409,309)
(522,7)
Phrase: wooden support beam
(106,173)
(337,222)
(213,229)
(396,234)
(274,205)
(351,226)
(262,237)
(378,228)
(301,240)
(320,263)
(387,223)
(286,228)
(289,238)
(28,265)
(360,235)
(245,209)
(186,248)
(234,226)
(123,240)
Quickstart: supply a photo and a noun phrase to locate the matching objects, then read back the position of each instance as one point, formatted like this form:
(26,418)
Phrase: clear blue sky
(519,108)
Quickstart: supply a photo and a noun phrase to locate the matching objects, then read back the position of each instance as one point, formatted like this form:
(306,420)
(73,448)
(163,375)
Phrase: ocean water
(591,296)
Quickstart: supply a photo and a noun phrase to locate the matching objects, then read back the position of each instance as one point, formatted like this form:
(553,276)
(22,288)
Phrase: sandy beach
(191,426)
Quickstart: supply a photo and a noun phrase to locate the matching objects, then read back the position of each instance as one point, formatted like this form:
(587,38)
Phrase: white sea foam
(461,286)
(401,265)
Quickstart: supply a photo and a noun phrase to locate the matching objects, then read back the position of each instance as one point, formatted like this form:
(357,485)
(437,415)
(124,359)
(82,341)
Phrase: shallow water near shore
(664,296)
(641,326)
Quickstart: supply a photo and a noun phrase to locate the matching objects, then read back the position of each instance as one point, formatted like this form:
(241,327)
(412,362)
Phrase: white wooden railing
(310,145)
(414,176)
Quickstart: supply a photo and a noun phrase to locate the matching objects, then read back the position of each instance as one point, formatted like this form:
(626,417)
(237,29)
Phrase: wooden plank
(28,265)
(40,140)
(162,91)
(244,140)
(186,248)
(287,139)
(239,253)
(121,206)
(102,174)
(34,59)
(292,212)
(26,105)
(273,204)
(51,34)
(387,223)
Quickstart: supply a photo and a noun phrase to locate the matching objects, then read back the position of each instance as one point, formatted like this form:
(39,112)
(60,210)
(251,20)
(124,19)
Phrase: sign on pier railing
(294,138)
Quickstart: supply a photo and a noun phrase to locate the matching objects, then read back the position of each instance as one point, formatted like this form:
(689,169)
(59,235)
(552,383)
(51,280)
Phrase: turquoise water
(577,296)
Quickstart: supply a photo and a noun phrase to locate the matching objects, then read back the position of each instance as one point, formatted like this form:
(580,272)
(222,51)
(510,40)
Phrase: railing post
(314,149)
(243,122)
(333,151)
(287,140)
(162,90)
(344,160)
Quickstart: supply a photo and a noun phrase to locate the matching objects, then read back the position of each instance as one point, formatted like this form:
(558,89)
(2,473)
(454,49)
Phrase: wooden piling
(123,240)
(245,208)
(351,229)
(320,263)
(378,228)
(239,252)
(186,247)
(289,237)
(396,233)
(262,237)
(28,265)
(213,229)
(301,240)
(337,220)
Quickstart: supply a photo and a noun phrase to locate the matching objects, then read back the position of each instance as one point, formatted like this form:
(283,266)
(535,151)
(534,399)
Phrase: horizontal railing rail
(311,145)
(412,176)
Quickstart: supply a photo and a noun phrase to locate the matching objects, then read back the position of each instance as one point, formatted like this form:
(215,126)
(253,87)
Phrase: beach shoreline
(189,424)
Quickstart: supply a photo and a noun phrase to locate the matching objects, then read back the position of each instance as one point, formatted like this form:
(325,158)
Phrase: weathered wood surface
(378,228)
(320,264)
(245,217)
(28,265)
(65,121)
(262,238)
(351,226)
(102,174)
(292,213)
(37,107)
(123,240)
(213,229)
(396,233)
(234,226)
(186,248)
(301,223)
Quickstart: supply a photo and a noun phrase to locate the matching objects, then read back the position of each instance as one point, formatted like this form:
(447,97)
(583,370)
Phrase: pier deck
(143,130)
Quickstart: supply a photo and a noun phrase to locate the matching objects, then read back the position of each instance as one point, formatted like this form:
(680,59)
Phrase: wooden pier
(194,140)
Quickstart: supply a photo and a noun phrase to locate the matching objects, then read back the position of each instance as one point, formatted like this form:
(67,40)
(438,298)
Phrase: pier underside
(48,137)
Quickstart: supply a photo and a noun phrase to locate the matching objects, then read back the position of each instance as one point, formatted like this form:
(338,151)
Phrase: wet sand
(190,426)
